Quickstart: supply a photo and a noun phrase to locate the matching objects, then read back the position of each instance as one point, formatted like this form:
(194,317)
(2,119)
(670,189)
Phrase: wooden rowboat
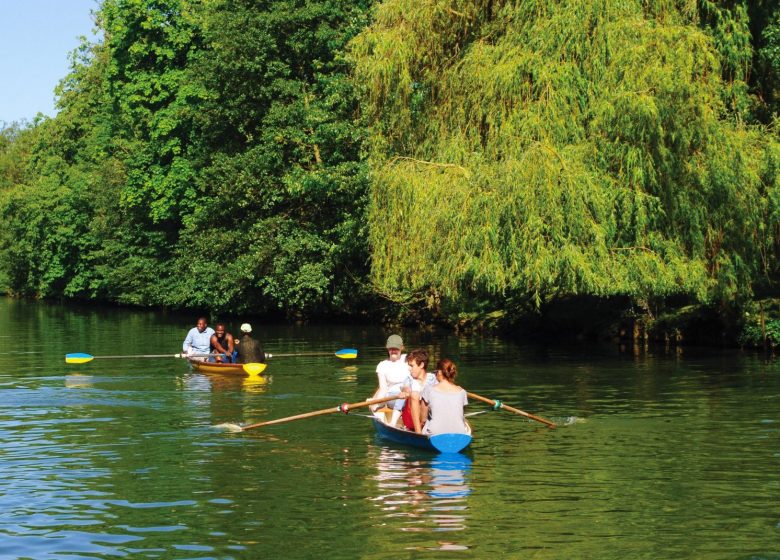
(443,443)
(217,367)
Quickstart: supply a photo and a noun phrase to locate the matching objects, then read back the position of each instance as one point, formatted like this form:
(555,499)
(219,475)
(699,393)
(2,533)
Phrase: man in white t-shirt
(391,374)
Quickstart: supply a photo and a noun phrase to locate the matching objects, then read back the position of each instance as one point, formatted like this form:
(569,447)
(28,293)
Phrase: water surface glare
(658,454)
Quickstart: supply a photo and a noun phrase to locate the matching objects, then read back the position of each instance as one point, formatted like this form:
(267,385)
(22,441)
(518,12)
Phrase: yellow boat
(217,367)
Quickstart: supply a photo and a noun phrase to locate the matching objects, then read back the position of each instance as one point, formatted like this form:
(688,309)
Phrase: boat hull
(217,367)
(442,443)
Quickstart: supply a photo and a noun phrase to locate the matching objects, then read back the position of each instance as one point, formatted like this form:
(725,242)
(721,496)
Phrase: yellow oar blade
(254,368)
(347,353)
(78,358)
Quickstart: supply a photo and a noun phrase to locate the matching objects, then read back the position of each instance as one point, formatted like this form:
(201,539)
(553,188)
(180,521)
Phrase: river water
(659,454)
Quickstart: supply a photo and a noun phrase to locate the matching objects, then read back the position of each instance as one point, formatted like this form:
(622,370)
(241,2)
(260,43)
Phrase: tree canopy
(317,157)
(205,155)
(529,151)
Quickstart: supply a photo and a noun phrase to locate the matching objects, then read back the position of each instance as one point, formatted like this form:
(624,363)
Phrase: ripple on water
(655,456)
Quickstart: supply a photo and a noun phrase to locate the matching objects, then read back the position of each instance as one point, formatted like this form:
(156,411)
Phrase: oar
(81,358)
(255,368)
(345,408)
(344,354)
(498,404)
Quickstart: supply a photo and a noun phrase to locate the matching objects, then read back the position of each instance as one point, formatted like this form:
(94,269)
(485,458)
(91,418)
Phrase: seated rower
(222,344)
(248,347)
(196,344)
(415,412)
(391,374)
(445,402)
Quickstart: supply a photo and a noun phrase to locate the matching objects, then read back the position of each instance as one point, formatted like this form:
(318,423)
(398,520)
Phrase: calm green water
(660,455)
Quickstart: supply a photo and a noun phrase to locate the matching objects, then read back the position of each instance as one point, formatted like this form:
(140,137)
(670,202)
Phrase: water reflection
(449,476)
(79,381)
(226,383)
(246,383)
(424,493)
(216,398)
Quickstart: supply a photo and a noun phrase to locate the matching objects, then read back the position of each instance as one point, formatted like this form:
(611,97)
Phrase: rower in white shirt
(391,374)
(198,340)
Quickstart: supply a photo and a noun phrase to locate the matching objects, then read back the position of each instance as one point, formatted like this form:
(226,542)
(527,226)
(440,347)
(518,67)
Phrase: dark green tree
(279,224)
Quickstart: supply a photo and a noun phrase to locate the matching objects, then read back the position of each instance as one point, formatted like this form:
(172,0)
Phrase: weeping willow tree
(526,151)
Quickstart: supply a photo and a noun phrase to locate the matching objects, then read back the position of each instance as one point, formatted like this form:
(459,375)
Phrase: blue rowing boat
(443,443)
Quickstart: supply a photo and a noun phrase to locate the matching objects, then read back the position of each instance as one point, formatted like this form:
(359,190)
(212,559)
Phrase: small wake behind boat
(443,443)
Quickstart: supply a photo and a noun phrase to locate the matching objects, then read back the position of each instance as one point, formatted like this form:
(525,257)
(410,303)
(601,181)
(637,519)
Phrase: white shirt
(200,342)
(417,385)
(391,375)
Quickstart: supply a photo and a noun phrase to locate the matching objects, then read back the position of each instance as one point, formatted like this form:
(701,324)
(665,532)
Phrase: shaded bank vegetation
(594,167)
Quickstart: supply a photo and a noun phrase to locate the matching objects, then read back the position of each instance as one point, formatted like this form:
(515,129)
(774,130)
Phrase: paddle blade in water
(78,358)
(450,443)
(230,427)
(254,368)
(347,353)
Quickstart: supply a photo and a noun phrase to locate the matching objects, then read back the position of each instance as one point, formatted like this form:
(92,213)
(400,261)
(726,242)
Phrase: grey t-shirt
(445,411)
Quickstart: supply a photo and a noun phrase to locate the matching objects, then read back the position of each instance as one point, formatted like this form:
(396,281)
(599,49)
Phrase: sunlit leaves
(563,148)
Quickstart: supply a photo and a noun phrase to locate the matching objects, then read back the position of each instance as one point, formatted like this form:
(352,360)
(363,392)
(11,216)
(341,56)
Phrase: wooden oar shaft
(300,354)
(157,356)
(82,358)
(147,356)
(344,353)
(491,402)
(331,410)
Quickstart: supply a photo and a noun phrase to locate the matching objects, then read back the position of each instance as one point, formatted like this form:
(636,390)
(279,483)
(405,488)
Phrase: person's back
(249,349)
(445,411)
(445,402)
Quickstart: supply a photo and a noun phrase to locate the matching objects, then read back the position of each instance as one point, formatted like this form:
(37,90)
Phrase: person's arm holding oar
(221,343)
(496,404)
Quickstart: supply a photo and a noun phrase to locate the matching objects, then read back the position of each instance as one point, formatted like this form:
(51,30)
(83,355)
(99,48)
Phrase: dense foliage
(484,158)
(523,152)
(204,155)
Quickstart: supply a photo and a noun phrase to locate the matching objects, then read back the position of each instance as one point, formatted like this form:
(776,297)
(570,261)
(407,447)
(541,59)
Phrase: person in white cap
(248,347)
(391,374)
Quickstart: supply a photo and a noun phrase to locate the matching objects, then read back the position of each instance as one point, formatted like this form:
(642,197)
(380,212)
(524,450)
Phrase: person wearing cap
(248,347)
(391,374)
(198,340)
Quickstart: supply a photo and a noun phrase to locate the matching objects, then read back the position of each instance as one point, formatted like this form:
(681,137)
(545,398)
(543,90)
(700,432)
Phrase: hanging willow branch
(431,163)
(593,148)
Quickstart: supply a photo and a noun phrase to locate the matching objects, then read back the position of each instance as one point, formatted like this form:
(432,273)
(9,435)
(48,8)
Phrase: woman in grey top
(445,402)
